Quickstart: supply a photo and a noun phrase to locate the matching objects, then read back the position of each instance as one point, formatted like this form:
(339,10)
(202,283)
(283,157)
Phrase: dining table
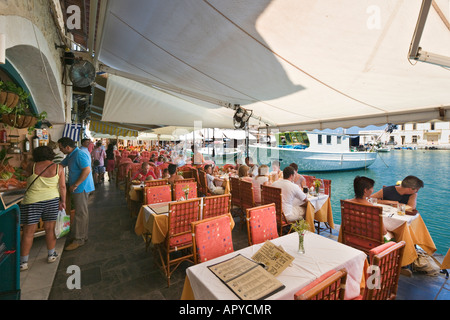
(153,220)
(321,255)
(319,209)
(409,228)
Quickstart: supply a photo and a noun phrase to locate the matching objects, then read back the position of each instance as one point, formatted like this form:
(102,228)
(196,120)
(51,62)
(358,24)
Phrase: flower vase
(301,242)
(317,190)
(186,195)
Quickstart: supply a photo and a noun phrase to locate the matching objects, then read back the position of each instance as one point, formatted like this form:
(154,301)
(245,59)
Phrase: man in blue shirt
(80,184)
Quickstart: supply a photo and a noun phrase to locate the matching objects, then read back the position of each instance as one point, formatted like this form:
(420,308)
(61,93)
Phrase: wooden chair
(211,238)
(179,236)
(309,180)
(157,194)
(261,224)
(179,185)
(361,225)
(157,182)
(234,189)
(195,175)
(385,260)
(216,205)
(269,195)
(329,286)
(444,266)
(204,190)
(246,195)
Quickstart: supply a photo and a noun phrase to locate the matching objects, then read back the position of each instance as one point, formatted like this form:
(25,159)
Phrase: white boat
(312,151)
(383,149)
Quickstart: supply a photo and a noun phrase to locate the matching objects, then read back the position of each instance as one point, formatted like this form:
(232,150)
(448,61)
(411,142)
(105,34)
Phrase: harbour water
(432,167)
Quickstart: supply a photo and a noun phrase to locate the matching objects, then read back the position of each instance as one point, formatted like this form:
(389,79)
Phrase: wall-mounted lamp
(2,48)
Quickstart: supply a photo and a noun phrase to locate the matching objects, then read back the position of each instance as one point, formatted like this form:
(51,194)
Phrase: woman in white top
(261,179)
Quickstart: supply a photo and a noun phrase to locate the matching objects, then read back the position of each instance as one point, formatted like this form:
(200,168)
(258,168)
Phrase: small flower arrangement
(317,183)
(300,226)
(186,191)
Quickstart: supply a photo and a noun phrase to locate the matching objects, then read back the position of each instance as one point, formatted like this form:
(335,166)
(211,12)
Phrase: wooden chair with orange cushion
(157,194)
(177,246)
(384,271)
(329,286)
(261,224)
(211,238)
(269,195)
(216,205)
(157,182)
(361,225)
(179,186)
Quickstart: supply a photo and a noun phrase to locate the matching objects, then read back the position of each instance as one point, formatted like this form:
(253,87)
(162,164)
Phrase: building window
(328,139)
(414,139)
(339,139)
(319,139)
(432,126)
(414,126)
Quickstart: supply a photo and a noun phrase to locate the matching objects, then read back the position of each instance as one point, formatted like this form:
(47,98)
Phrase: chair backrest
(203,185)
(269,195)
(361,225)
(327,186)
(309,180)
(145,154)
(212,238)
(216,205)
(261,224)
(157,194)
(179,193)
(234,189)
(386,263)
(154,183)
(134,168)
(144,159)
(181,215)
(227,166)
(125,153)
(122,172)
(184,180)
(246,194)
(329,286)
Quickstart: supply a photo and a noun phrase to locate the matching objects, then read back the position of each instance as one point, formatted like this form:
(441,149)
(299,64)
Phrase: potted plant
(20,115)
(10,94)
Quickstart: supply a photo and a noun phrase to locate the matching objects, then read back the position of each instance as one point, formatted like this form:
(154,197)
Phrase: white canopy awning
(298,64)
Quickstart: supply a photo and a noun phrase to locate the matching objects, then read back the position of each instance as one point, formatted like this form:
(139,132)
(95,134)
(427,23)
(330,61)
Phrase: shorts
(47,210)
(99,169)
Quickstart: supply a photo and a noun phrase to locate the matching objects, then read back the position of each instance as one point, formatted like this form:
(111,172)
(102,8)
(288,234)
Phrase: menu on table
(159,208)
(246,278)
(273,257)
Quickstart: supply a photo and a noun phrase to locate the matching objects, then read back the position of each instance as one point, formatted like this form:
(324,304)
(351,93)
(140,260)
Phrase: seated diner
(405,193)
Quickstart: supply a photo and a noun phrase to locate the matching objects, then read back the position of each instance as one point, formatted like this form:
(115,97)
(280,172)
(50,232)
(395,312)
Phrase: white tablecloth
(321,255)
(318,201)
(392,220)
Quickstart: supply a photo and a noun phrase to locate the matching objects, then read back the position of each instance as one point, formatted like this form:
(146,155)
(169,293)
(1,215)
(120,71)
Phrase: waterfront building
(416,135)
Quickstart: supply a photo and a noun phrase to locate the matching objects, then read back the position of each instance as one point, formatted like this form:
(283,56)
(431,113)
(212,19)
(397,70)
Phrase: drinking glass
(401,207)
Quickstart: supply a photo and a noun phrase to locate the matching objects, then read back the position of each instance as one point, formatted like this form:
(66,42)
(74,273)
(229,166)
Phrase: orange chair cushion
(263,224)
(379,249)
(314,283)
(213,239)
(180,240)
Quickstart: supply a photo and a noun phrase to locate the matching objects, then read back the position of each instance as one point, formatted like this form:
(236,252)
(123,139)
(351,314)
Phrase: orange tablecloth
(414,233)
(324,214)
(157,225)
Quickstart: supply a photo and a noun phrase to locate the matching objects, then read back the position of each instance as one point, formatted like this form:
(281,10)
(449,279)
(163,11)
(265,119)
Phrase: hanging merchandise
(35,141)
(3,136)
(26,146)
